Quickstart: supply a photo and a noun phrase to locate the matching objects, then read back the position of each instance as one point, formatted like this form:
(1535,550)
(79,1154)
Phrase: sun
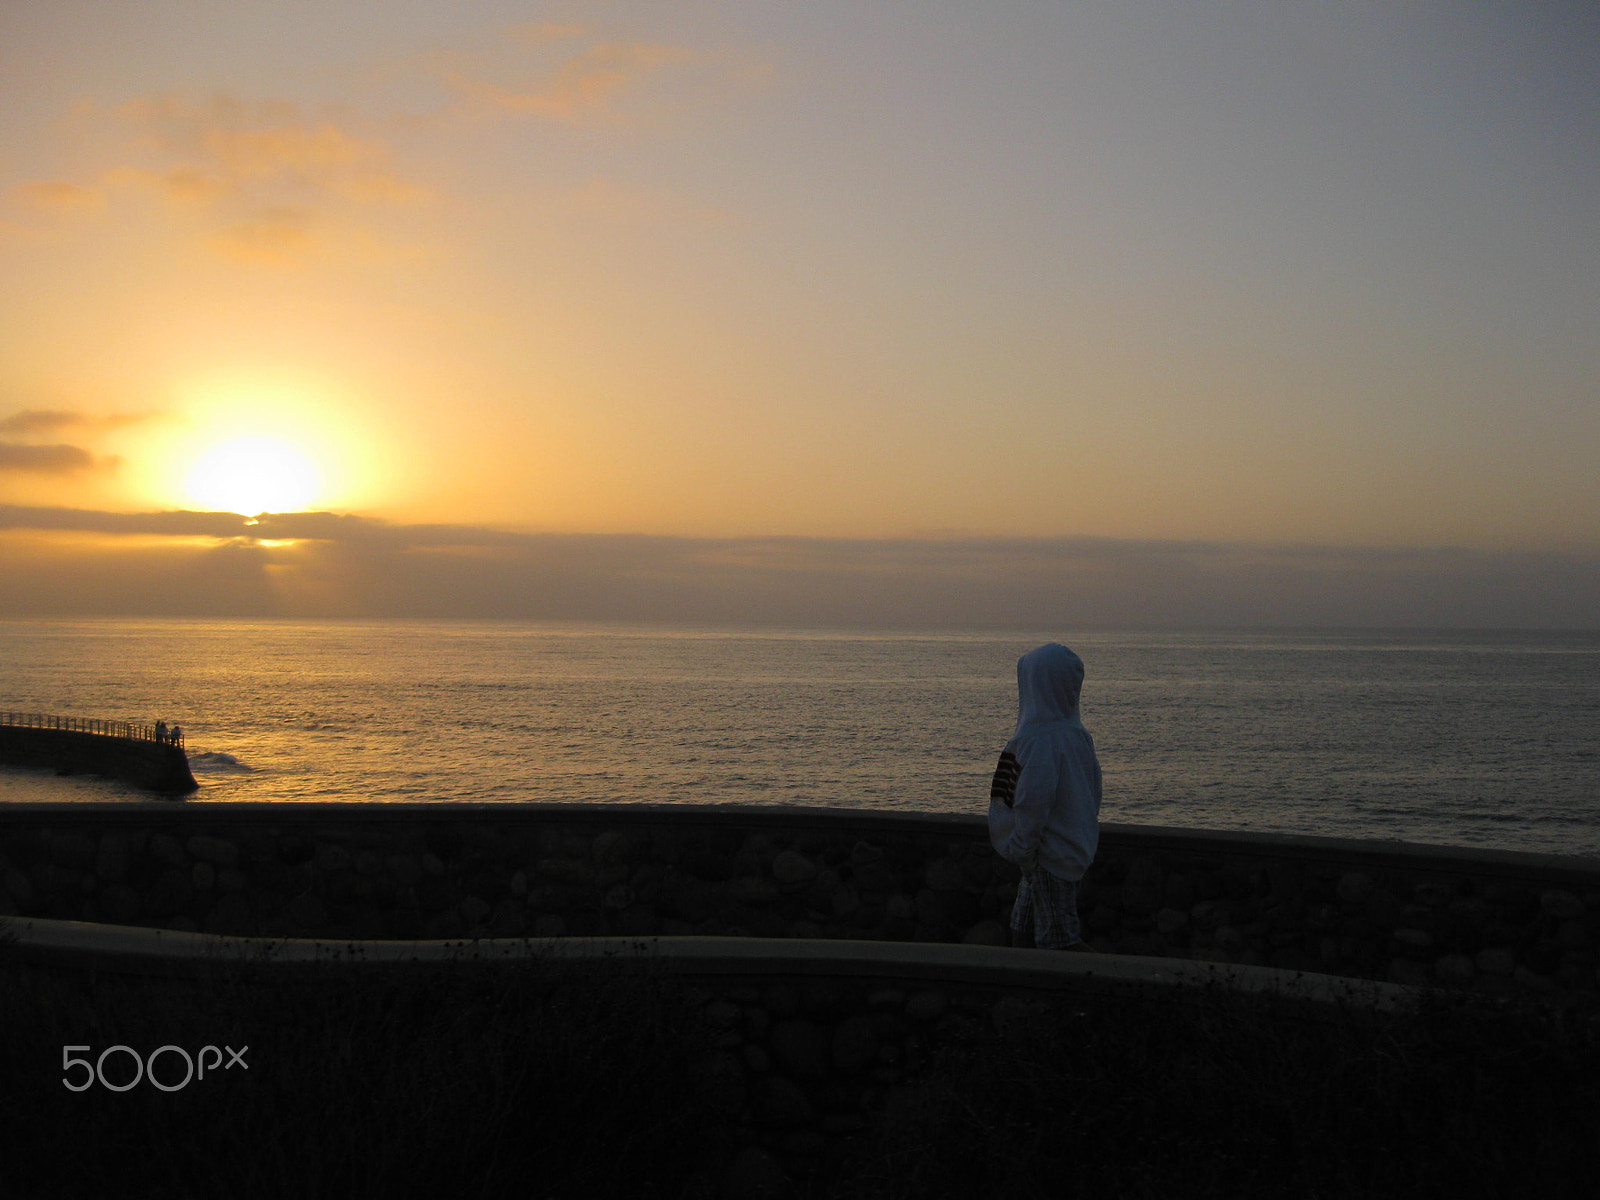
(251,475)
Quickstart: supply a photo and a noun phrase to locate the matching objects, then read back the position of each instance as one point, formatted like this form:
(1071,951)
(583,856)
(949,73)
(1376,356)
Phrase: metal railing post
(92,725)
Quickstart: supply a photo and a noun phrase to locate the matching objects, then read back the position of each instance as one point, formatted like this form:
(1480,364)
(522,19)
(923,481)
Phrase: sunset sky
(869,312)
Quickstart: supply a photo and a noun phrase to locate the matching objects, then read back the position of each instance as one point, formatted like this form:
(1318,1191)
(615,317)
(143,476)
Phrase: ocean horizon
(1476,738)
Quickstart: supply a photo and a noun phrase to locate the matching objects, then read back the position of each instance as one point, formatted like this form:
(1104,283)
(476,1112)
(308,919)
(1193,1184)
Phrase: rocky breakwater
(158,766)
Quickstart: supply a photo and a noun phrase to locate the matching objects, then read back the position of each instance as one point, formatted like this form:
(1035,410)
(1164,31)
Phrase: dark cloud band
(51,460)
(45,420)
(334,564)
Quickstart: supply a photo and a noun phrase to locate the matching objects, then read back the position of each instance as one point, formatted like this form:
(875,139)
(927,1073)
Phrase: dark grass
(558,1080)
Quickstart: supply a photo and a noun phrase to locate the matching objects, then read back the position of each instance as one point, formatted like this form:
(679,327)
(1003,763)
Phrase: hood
(1048,682)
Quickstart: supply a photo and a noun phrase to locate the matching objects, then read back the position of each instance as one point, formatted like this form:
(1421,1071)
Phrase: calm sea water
(1482,739)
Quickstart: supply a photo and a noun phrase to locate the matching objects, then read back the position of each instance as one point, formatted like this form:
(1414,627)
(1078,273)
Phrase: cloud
(256,176)
(52,460)
(322,564)
(277,237)
(274,183)
(39,420)
(60,196)
(179,523)
(568,74)
(226,146)
(588,85)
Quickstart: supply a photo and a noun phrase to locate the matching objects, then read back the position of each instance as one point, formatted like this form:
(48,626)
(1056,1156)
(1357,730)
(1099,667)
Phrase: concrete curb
(139,950)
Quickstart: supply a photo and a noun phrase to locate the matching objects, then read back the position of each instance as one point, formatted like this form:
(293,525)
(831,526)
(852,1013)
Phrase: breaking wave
(216,760)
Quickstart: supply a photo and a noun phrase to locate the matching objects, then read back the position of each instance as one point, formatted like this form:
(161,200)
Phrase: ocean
(1484,739)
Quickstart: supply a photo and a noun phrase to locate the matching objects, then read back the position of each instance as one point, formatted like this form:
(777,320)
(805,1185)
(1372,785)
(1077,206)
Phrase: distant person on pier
(1044,801)
(161,731)
(177,735)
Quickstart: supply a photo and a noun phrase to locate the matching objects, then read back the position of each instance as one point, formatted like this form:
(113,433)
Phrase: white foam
(216,760)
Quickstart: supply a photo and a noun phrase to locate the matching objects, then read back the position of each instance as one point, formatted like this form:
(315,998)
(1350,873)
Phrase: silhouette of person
(161,731)
(1044,800)
(177,735)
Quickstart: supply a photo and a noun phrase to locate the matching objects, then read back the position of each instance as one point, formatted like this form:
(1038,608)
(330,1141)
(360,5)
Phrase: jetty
(147,756)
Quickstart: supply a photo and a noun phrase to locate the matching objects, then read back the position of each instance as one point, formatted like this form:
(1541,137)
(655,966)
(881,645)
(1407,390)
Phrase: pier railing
(170,735)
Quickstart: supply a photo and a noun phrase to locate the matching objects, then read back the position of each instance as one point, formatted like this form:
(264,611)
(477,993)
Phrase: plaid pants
(1049,908)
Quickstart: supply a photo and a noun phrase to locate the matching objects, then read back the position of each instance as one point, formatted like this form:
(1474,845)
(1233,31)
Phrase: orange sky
(1155,273)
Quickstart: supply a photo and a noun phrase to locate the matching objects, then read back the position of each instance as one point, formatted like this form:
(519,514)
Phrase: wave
(216,760)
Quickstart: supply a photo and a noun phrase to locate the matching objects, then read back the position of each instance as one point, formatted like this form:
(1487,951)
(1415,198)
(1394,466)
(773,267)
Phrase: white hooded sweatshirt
(1044,803)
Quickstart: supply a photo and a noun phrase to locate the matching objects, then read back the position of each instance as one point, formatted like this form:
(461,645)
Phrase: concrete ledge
(138,950)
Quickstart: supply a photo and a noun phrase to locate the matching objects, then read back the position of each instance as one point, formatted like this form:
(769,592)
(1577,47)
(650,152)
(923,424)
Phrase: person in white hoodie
(1044,801)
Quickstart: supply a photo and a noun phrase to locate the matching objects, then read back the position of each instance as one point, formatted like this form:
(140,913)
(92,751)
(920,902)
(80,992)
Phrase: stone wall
(806,1046)
(806,1066)
(1490,921)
